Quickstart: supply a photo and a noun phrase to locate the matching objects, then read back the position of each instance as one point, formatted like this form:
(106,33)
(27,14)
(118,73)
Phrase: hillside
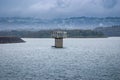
(109,31)
(31,23)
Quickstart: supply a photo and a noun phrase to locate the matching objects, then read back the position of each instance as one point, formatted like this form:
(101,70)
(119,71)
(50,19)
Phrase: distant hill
(109,31)
(31,23)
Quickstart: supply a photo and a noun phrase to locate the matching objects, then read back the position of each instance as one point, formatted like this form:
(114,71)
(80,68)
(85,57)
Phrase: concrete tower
(59,35)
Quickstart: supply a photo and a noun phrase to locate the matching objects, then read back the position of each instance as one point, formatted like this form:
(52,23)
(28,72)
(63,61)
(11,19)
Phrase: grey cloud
(109,3)
(59,8)
(63,3)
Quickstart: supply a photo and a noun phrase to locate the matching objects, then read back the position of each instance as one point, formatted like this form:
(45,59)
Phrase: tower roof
(59,34)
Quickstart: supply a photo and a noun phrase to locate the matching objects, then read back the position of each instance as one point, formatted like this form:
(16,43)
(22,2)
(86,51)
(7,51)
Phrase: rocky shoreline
(10,40)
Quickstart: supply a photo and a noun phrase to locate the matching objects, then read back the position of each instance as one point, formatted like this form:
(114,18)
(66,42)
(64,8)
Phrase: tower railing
(59,34)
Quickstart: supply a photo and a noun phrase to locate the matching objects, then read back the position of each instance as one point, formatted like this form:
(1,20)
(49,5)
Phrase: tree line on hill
(109,31)
(73,33)
(76,33)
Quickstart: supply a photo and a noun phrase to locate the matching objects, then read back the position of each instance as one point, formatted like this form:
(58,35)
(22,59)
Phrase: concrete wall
(58,42)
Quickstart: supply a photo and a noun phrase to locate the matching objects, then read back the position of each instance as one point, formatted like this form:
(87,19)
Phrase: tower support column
(59,42)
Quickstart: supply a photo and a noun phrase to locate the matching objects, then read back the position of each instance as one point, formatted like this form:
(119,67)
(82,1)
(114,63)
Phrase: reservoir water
(80,59)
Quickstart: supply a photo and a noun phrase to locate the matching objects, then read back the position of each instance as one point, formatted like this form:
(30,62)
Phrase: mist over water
(80,59)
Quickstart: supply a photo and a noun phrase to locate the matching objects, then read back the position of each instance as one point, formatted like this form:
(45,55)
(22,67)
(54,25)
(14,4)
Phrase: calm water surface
(80,59)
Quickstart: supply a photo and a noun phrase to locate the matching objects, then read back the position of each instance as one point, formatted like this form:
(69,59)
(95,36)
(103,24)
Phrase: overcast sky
(59,8)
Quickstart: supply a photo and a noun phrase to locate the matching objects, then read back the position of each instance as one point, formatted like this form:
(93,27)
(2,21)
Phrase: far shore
(10,39)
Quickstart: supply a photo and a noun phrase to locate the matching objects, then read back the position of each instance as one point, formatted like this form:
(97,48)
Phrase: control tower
(59,35)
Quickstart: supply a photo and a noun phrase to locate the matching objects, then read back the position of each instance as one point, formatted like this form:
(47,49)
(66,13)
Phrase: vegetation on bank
(76,33)
(109,31)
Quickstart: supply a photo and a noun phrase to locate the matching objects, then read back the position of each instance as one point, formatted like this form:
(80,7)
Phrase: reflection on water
(81,59)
